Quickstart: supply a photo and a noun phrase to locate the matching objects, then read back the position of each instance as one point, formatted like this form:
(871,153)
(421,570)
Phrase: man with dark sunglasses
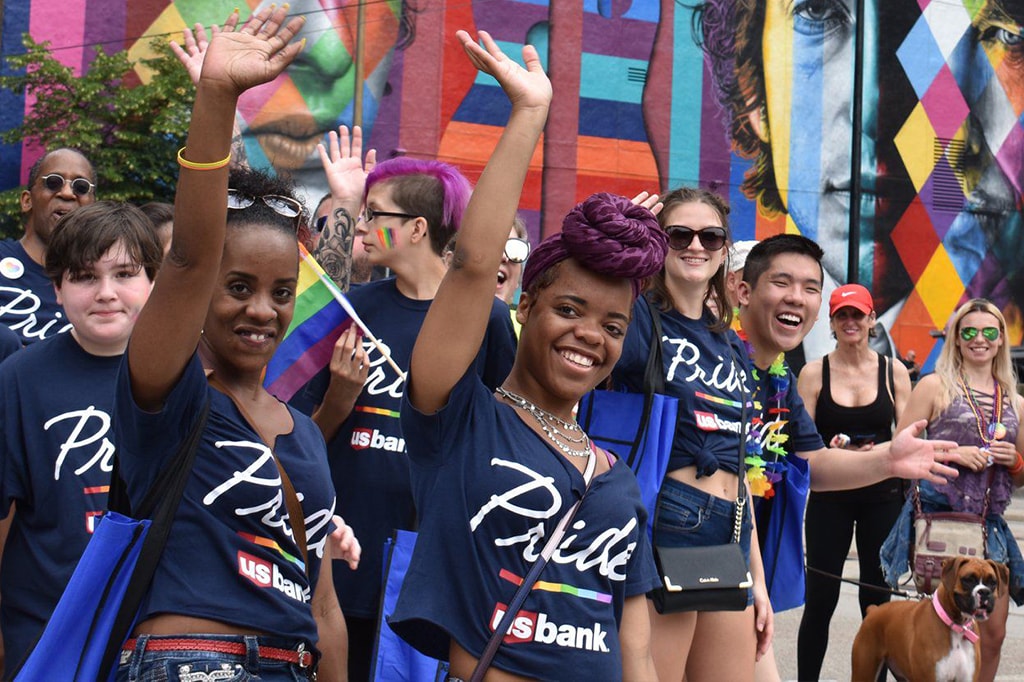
(58,183)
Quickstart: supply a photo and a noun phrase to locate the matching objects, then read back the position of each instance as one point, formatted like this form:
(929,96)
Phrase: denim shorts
(689,517)
(141,665)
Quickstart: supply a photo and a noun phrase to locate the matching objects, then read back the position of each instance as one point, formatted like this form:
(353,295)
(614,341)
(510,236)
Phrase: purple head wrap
(607,234)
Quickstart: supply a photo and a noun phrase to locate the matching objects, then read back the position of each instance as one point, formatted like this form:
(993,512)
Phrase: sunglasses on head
(369,214)
(680,237)
(517,250)
(968,333)
(284,206)
(55,182)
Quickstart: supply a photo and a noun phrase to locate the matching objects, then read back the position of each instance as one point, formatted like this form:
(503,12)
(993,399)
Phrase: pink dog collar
(967,629)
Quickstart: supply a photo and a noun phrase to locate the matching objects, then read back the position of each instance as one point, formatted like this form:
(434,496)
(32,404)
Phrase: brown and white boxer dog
(932,640)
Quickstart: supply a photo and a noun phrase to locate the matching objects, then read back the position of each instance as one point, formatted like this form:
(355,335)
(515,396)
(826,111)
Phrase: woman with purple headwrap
(494,472)
(705,368)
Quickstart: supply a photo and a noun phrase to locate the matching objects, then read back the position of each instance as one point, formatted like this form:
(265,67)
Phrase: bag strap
(654,372)
(295,516)
(654,382)
(890,387)
(162,499)
(741,497)
(484,662)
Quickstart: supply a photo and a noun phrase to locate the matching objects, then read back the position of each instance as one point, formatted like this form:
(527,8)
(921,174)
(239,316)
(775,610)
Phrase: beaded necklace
(995,430)
(554,427)
(766,426)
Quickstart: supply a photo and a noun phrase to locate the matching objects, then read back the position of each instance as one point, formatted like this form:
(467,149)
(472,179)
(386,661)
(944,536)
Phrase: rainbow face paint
(387,237)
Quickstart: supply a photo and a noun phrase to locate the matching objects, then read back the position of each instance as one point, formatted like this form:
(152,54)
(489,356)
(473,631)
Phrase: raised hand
(343,163)
(193,53)
(525,87)
(648,201)
(255,54)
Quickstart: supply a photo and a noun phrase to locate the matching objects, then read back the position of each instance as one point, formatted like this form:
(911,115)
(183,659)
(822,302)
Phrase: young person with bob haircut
(494,472)
(56,408)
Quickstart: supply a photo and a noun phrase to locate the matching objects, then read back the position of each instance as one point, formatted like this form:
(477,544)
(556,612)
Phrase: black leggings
(829,528)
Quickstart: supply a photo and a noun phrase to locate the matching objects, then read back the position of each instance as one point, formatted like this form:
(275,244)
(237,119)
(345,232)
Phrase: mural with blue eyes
(753,98)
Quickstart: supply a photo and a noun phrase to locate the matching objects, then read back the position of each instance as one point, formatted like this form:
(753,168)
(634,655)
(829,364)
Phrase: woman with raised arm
(972,398)
(493,473)
(237,588)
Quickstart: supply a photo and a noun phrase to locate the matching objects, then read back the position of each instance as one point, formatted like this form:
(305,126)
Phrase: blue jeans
(140,665)
(689,517)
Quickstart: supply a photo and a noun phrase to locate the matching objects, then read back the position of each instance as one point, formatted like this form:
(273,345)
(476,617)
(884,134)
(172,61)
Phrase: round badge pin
(11,268)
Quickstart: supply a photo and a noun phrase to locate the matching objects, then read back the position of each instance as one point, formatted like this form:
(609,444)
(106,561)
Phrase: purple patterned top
(958,423)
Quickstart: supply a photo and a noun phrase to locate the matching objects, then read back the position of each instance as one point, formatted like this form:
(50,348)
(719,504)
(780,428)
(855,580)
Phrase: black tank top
(867,423)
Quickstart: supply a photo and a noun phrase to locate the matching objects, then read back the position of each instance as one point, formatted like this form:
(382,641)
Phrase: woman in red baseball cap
(854,396)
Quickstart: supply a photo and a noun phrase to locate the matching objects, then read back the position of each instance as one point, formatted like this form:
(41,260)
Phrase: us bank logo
(530,626)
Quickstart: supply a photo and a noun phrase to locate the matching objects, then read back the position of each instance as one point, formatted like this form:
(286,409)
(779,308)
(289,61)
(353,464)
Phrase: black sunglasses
(369,214)
(968,333)
(319,224)
(680,237)
(55,182)
(284,206)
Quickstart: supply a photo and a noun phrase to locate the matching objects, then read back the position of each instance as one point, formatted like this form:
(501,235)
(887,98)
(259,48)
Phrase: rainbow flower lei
(765,433)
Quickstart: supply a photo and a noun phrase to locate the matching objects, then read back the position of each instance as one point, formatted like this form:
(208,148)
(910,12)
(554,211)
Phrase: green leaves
(130,130)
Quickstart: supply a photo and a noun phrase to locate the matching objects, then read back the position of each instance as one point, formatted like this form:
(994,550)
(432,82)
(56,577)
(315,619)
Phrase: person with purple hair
(494,472)
(410,210)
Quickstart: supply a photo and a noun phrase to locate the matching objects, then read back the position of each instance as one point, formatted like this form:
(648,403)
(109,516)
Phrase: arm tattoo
(334,252)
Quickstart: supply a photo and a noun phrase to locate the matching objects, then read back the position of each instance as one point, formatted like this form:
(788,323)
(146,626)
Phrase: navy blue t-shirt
(706,371)
(491,491)
(9,343)
(57,448)
(230,556)
(28,301)
(368,455)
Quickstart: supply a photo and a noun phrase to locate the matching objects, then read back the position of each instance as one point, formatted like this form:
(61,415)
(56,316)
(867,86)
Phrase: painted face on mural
(283,121)
(942,137)
(985,241)
(808,53)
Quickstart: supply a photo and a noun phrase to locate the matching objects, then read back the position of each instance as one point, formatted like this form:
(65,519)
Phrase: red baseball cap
(851,296)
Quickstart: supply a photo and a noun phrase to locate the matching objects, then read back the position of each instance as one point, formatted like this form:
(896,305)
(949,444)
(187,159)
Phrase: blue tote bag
(97,610)
(782,546)
(639,427)
(394,660)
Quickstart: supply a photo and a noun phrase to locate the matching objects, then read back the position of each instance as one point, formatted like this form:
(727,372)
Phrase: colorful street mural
(752,98)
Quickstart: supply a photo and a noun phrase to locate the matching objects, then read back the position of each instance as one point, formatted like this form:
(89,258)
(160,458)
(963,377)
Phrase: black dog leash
(889,590)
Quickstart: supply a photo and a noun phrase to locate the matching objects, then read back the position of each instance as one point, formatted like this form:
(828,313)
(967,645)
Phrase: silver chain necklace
(550,424)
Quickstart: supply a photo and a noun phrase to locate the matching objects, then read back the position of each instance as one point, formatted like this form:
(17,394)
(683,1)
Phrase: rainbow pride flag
(322,313)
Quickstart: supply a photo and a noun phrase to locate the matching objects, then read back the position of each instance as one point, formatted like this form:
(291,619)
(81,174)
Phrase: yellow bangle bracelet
(192,165)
